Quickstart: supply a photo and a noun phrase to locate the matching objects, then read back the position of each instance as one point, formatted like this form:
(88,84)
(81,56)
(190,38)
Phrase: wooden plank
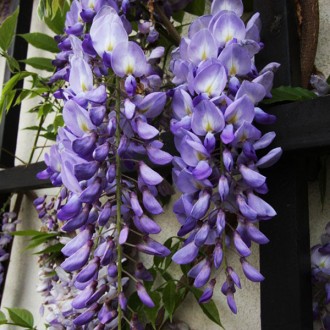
(22,178)
(302,125)
(280,37)
(286,295)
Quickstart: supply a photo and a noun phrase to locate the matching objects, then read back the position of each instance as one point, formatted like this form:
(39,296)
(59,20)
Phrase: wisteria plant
(119,100)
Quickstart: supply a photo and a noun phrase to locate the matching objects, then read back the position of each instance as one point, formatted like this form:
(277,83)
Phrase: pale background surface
(22,278)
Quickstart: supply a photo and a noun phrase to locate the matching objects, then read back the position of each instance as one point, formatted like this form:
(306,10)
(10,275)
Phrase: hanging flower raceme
(214,115)
(111,99)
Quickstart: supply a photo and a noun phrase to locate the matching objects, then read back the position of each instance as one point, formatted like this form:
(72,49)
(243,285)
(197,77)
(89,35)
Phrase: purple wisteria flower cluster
(320,260)
(110,100)
(8,226)
(215,109)
(108,154)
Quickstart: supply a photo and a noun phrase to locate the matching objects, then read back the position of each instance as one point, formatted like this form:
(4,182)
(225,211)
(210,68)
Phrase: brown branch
(168,25)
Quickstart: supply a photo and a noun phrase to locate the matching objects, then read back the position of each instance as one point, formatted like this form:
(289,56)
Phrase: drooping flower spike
(214,112)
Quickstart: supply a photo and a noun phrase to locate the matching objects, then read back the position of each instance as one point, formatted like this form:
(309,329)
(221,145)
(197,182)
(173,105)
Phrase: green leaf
(58,122)
(12,63)
(3,319)
(26,233)
(209,309)
(7,30)
(49,136)
(41,41)
(178,16)
(40,63)
(34,128)
(287,93)
(8,87)
(196,7)
(56,248)
(169,298)
(21,317)
(56,22)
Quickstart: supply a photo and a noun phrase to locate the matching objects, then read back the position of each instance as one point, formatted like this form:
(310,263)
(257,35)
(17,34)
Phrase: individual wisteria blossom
(320,262)
(215,109)
(111,98)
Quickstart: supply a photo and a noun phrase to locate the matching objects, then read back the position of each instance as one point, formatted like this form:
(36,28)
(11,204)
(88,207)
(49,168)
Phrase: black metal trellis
(302,128)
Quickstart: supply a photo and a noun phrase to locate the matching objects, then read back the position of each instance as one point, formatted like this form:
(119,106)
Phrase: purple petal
(241,247)
(154,248)
(203,276)
(207,118)
(150,202)
(85,171)
(91,193)
(201,206)
(202,234)
(217,255)
(77,242)
(77,222)
(149,176)
(123,235)
(186,254)
(246,210)
(228,27)
(202,46)
(263,209)
(236,59)
(195,270)
(252,178)
(211,80)
(158,156)
(264,141)
(86,316)
(136,207)
(223,187)
(146,225)
(255,234)
(240,111)
(70,209)
(235,6)
(89,271)
(144,130)
(182,104)
(261,117)
(227,135)
(80,301)
(254,91)
(250,272)
(231,302)
(270,159)
(78,259)
(128,59)
(202,170)
(144,296)
(234,277)
(152,105)
(208,293)
(107,31)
